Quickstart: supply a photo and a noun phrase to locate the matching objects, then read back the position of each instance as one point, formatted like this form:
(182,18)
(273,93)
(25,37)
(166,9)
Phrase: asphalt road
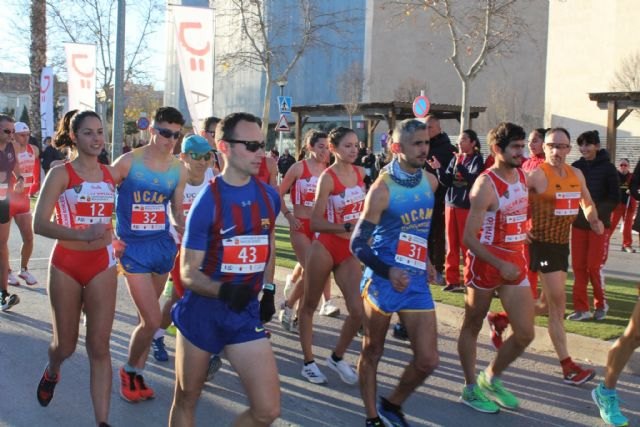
(26,330)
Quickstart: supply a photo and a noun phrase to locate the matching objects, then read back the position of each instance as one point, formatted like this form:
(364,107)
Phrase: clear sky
(14,55)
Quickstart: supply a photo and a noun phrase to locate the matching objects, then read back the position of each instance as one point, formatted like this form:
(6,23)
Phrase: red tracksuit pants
(588,252)
(626,213)
(455,220)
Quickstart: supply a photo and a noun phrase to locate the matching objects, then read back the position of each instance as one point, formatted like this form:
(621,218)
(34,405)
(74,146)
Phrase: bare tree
(96,24)
(37,60)
(477,29)
(350,84)
(409,88)
(274,42)
(627,75)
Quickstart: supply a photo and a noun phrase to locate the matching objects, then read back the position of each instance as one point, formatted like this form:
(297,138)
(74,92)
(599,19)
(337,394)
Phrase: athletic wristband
(361,249)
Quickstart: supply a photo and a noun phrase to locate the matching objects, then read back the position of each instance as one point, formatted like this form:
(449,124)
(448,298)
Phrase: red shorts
(19,203)
(305,228)
(337,247)
(486,276)
(82,266)
(175,276)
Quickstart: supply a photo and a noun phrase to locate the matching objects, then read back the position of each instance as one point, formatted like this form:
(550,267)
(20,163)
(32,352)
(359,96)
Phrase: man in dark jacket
(285,162)
(49,154)
(588,249)
(441,148)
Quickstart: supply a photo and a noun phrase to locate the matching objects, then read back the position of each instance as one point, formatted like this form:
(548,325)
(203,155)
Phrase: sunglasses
(167,133)
(623,165)
(205,156)
(251,146)
(8,131)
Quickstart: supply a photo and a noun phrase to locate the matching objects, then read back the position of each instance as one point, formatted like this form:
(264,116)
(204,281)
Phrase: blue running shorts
(149,256)
(209,323)
(381,295)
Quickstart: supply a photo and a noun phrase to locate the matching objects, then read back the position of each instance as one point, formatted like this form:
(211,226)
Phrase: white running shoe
(313,374)
(347,374)
(288,286)
(12,279)
(286,317)
(28,277)
(329,309)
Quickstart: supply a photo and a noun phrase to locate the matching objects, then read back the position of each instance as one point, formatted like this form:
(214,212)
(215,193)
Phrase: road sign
(284,104)
(421,106)
(282,125)
(142,123)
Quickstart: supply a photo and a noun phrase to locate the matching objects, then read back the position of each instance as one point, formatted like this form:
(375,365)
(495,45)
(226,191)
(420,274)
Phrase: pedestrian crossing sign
(284,104)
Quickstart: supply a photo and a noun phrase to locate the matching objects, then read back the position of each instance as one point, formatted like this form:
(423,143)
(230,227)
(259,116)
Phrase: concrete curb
(591,350)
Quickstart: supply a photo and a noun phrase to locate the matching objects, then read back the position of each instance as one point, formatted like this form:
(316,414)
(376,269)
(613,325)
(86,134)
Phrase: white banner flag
(81,72)
(194,44)
(46,102)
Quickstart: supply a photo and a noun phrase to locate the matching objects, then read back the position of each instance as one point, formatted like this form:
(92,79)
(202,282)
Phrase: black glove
(237,296)
(267,303)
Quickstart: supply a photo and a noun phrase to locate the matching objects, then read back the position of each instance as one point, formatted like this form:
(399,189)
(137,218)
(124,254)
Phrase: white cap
(21,127)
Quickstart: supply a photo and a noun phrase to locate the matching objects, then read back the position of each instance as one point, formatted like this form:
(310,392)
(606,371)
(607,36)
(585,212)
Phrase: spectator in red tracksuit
(625,209)
(459,177)
(588,249)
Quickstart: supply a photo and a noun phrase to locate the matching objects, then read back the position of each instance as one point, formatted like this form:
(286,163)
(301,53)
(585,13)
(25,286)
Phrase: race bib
(4,188)
(412,251)
(309,196)
(147,217)
(567,203)
(353,204)
(97,210)
(245,254)
(515,228)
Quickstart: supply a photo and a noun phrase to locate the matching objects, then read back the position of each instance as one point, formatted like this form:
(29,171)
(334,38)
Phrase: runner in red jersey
(82,271)
(28,157)
(339,201)
(495,234)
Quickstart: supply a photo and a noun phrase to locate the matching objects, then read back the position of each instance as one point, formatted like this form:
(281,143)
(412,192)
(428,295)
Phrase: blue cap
(195,144)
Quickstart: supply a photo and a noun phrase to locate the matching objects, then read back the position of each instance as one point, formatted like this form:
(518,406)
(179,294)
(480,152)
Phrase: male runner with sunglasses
(146,250)
(224,254)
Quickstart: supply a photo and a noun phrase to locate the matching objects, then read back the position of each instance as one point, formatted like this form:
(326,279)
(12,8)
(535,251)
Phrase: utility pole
(117,133)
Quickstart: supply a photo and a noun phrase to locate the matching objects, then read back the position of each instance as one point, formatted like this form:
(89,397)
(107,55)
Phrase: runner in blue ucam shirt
(391,240)
(146,250)
(224,254)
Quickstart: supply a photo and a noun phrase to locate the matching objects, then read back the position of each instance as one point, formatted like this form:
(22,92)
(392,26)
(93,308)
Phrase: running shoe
(329,309)
(347,374)
(628,249)
(579,316)
(494,388)
(313,374)
(601,313)
(215,363)
(144,392)
(498,322)
(454,288)
(286,317)
(159,350)
(128,388)
(391,417)
(288,286)
(27,277)
(46,387)
(609,405)
(575,375)
(400,332)
(12,279)
(8,300)
(476,399)
(374,423)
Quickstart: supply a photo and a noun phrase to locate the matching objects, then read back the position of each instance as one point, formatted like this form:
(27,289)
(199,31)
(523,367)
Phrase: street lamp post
(281,82)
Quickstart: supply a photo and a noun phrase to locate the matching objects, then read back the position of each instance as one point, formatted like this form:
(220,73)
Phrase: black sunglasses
(8,131)
(251,146)
(167,133)
(205,156)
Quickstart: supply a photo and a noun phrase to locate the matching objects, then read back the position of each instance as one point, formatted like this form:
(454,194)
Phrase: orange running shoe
(144,391)
(128,387)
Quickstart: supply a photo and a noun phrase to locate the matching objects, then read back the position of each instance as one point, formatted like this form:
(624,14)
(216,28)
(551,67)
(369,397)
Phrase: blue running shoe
(159,350)
(391,417)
